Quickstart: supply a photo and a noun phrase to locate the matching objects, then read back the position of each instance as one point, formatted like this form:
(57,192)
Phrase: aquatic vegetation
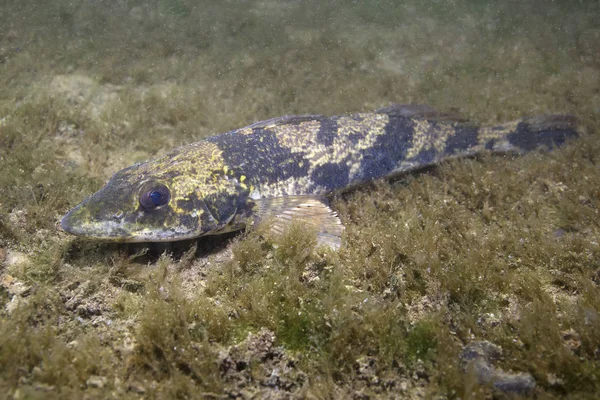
(496,248)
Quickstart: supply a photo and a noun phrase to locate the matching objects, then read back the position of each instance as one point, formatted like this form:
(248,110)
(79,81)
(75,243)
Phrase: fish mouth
(77,222)
(68,224)
(73,225)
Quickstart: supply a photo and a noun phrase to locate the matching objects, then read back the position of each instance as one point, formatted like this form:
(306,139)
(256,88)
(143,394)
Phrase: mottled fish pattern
(283,169)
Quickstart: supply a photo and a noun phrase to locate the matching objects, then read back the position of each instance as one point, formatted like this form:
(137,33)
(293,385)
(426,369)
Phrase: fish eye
(154,196)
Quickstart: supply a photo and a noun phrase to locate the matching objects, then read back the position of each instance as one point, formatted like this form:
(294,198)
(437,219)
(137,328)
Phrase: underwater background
(499,251)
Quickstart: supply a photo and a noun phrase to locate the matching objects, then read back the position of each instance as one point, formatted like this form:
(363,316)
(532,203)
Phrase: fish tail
(524,135)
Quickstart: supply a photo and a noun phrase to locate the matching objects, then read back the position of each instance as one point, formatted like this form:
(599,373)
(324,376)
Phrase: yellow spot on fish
(428,136)
(486,134)
(245,131)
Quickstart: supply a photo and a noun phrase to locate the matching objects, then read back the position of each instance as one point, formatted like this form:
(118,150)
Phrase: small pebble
(478,357)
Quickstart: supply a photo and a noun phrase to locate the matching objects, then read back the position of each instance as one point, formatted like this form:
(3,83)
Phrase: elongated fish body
(281,169)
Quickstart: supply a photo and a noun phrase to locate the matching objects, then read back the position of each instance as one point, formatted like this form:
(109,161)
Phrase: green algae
(494,248)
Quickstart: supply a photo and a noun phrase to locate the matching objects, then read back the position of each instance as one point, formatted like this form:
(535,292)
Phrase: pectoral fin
(307,209)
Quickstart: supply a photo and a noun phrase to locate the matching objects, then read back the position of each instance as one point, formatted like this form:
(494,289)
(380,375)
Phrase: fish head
(157,201)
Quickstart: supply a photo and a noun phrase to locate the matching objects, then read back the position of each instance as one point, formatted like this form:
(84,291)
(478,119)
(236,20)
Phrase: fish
(285,169)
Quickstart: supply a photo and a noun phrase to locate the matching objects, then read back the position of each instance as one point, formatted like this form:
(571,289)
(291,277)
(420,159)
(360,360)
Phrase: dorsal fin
(421,111)
(286,120)
(551,122)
